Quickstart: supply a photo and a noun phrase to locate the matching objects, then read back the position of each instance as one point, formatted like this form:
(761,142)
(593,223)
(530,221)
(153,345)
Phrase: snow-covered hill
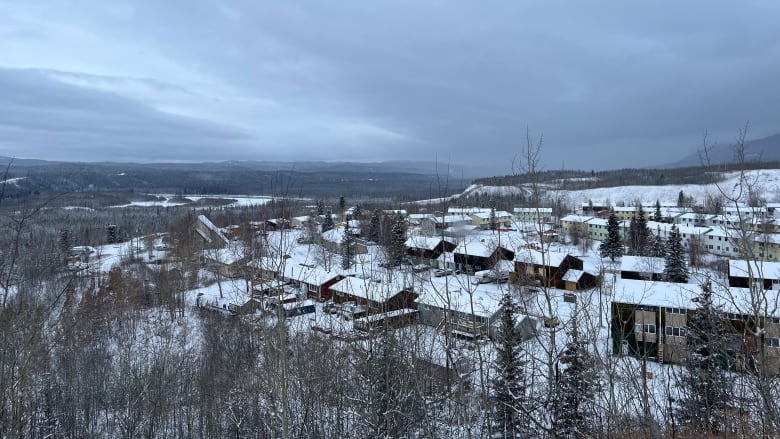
(765,181)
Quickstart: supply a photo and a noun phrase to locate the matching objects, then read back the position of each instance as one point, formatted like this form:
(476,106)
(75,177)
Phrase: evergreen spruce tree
(347,247)
(612,248)
(328,223)
(658,216)
(675,267)
(396,249)
(342,203)
(508,399)
(374,227)
(639,234)
(493,222)
(358,211)
(705,386)
(320,207)
(657,246)
(576,385)
(66,239)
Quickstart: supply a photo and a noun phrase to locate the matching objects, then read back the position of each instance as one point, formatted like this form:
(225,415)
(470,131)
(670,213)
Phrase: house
(649,319)
(623,213)
(426,250)
(314,281)
(642,268)
(773,209)
(301,221)
(575,279)
(333,238)
(380,294)
(448,225)
(415,219)
(763,273)
(483,219)
(743,211)
(230,261)
(767,246)
(721,241)
(480,254)
(575,223)
(687,232)
(210,234)
(465,211)
(592,208)
(468,314)
(694,219)
(597,229)
(546,266)
(275,224)
(533,214)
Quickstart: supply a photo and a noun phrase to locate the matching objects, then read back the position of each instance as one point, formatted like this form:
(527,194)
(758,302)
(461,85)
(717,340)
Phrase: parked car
(419,268)
(443,272)
(331,308)
(490,276)
(350,310)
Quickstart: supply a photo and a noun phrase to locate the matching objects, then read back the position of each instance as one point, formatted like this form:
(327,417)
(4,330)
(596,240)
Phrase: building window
(773,342)
(676,311)
(676,331)
(648,328)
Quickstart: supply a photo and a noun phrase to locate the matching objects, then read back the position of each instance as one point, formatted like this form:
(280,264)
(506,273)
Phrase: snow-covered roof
(422,242)
(377,289)
(598,222)
(537,257)
(696,216)
(451,219)
(573,275)
(576,218)
(532,209)
(335,234)
(226,255)
(676,295)
(467,210)
(209,225)
(483,300)
(486,215)
(760,269)
(310,274)
(642,264)
(477,247)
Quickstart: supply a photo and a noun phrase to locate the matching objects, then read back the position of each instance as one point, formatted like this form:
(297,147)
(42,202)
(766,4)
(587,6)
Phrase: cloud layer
(606,85)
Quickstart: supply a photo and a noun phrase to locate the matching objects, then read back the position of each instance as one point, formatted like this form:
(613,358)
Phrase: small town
(389,220)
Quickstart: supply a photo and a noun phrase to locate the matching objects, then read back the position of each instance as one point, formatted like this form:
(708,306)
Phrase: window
(676,311)
(676,331)
(649,328)
(773,342)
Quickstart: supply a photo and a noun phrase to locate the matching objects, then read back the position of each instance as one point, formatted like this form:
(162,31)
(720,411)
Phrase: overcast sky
(606,84)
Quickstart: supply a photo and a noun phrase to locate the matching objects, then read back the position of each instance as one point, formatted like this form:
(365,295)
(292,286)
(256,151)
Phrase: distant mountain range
(766,149)
(384,180)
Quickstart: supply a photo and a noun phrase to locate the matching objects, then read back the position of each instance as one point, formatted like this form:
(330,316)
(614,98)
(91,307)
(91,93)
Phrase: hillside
(766,149)
(767,182)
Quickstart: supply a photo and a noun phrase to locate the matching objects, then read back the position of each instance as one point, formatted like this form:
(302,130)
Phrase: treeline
(578,180)
(37,182)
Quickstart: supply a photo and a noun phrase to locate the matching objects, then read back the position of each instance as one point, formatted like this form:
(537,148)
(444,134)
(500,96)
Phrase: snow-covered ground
(13,181)
(767,182)
(174,200)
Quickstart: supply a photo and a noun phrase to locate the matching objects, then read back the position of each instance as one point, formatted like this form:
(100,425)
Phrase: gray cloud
(607,85)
